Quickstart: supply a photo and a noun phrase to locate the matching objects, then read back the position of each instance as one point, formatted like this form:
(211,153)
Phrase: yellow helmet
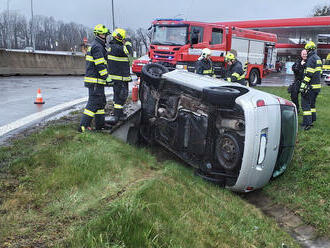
(119,34)
(229,56)
(310,45)
(101,29)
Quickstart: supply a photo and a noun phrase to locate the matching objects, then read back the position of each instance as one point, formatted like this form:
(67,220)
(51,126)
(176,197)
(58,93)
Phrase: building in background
(293,33)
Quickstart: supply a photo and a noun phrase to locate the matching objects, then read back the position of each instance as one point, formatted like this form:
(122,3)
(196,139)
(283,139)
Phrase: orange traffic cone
(39,98)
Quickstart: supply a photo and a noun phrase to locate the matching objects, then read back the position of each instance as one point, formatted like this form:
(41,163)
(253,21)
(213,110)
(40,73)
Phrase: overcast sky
(140,13)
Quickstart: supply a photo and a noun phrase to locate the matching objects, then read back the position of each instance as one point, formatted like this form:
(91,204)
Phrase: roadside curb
(41,115)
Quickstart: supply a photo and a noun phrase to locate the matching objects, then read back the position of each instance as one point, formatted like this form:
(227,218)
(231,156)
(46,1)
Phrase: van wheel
(223,96)
(228,151)
(254,77)
(151,73)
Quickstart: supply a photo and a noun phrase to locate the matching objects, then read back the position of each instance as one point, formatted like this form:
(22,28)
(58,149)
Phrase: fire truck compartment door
(256,52)
(241,46)
(271,57)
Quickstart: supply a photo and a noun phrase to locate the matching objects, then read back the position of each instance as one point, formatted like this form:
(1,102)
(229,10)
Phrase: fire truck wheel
(254,77)
(228,151)
(223,96)
(151,73)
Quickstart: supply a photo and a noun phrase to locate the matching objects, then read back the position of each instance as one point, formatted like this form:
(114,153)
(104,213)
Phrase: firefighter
(203,65)
(298,69)
(119,52)
(96,78)
(310,86)
(235,72)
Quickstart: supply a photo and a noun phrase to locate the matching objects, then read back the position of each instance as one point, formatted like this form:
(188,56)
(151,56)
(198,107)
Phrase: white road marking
(31,118)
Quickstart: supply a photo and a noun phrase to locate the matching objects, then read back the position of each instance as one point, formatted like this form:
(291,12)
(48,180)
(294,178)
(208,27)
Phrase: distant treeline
(53,35)
(49,34)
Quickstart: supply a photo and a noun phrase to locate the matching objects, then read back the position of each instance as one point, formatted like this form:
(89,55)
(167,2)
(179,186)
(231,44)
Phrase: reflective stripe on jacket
(313,71)
(96,63)
(204,67)
(118,60)
(236,73)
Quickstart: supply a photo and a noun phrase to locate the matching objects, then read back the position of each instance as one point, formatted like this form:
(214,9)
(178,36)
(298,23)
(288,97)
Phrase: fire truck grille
(163,52)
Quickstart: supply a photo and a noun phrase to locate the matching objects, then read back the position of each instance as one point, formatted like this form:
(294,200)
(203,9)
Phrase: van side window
(196,34)
(217,35)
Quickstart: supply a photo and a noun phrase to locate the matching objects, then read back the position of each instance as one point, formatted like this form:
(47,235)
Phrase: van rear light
(283,101)
(249,188)
(261,103)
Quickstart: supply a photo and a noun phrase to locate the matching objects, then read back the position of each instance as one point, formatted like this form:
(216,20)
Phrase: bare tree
(320,10)
(49,33)
(143,37)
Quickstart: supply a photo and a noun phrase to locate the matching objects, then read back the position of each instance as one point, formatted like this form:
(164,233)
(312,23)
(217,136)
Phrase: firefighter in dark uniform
(235,73)
(310,86)
(203,65)
(298,69)
(119,52)
(96,78)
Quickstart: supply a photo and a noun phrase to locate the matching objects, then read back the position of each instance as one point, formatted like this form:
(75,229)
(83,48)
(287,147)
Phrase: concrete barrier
(34,63)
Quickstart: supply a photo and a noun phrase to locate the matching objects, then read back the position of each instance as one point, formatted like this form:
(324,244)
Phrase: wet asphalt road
(18,93)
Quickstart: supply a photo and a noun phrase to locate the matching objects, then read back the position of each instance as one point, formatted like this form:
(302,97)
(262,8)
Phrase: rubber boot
(85,123)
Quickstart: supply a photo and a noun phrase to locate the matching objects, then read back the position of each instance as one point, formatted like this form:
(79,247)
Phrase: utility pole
(8,26)
(32,28)
(113,16)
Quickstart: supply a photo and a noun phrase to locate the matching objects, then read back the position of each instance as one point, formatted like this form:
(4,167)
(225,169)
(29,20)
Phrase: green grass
(67,189)
(305,186)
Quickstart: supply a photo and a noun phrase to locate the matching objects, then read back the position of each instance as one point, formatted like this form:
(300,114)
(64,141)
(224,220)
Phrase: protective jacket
(96,63)
(118,60)
(236,73)
(204,67)
(298,70)
(313,71)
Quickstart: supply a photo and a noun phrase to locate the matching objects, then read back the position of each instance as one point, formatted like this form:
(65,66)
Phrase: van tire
(223,96)
(228,151)
(151,73)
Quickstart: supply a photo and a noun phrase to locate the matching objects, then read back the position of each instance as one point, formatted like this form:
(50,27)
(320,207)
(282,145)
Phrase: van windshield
(169,35)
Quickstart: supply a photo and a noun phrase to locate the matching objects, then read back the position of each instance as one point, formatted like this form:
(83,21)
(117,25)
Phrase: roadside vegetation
(60,188)
(65,189)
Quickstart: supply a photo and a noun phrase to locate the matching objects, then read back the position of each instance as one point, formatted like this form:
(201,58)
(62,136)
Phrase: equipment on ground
(39,99)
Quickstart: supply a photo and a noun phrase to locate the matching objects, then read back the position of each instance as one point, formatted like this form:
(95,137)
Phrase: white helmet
(206,52)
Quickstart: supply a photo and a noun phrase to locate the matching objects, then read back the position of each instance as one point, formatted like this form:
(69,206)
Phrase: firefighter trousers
(314,94)
(95,107)
(306,108)
(120,94)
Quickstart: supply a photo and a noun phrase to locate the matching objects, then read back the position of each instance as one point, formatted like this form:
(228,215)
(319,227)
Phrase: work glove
(304,88)
(109,82)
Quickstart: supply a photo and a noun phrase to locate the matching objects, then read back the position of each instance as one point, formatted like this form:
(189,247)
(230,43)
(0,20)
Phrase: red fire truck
(178,44)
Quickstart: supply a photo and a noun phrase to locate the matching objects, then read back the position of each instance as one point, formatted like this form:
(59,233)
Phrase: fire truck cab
(177,44)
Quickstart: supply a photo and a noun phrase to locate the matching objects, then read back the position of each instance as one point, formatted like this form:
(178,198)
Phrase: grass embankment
(90,190)
(305,186)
